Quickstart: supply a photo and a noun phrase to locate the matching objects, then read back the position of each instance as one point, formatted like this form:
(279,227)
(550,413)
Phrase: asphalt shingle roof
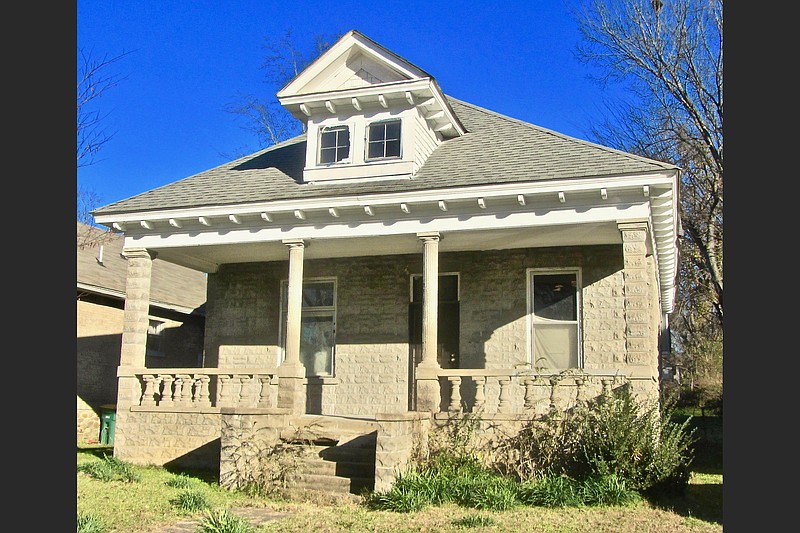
(497,149)
(170,284)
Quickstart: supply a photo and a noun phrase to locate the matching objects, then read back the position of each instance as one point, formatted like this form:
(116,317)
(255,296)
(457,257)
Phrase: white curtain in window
(555,344)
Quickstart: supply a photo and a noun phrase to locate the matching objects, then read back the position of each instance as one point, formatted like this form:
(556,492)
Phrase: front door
(447,331)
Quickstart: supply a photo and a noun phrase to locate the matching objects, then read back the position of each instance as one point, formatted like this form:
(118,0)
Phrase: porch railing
(500,391)
(468,389)
(202,388)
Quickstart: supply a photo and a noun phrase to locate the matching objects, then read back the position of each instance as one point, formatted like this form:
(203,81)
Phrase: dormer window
(383,139)
(334,144)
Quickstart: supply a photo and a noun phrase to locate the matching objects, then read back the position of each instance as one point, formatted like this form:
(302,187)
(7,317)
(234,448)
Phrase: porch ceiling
(491,239)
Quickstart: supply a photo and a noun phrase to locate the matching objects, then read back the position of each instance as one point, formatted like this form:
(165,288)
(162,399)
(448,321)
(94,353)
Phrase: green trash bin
(108,421)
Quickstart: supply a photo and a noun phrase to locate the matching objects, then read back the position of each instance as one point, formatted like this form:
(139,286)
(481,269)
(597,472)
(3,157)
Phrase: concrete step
(340,469)
(333,484)
(338,453)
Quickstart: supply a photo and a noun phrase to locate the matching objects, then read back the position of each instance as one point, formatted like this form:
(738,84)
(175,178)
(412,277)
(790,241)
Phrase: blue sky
(188,60)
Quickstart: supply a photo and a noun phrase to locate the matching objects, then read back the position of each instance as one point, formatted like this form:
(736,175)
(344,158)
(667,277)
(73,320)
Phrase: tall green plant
(617,436)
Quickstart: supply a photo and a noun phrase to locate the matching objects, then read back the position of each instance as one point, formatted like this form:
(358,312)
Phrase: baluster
(580,399)
(244,399)
(149,396)
(607,382)
(264,397)
(202,398)
(554,381)
(223,392)
(166,391)
(530,393)
(505,403)
(183,389)
(455,394)
(480,392)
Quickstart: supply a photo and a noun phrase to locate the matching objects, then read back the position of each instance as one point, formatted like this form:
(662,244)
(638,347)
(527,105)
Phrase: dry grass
(144,507)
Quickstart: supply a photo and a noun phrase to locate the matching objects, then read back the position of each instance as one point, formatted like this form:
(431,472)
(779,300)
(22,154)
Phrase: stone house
(409,258)
(175,324)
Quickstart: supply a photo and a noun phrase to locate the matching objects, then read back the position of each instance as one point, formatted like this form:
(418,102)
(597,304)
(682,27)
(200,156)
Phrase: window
(448,288)
(155,338)
(383,139)
(554,309)
(334,144)
(317,325)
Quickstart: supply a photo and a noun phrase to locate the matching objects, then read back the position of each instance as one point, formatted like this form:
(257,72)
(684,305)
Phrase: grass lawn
(145,505)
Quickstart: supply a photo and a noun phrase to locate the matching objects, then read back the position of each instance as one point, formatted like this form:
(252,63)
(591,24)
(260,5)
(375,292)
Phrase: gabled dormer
(370,114)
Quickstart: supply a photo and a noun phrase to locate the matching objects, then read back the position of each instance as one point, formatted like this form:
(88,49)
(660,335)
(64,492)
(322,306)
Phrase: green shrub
(607,490)
(223,521)
(190,500)
(405,496)
(563,491)
(616,436)
(90,523)
(551,491)
(495,493)
(638,443)
(110,468)
(448,480)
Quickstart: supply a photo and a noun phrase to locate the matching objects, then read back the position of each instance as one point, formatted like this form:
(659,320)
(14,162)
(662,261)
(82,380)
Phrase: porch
(341,453)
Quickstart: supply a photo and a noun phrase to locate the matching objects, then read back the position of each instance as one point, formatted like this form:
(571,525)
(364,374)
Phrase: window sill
(322,380)
(377,169)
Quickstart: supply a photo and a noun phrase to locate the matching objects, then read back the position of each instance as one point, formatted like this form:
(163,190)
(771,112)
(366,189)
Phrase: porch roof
(504,184)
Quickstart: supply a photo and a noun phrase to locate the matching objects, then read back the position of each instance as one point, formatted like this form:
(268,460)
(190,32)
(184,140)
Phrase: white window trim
(331,127)
(367,158)
(529,274)
(282,319)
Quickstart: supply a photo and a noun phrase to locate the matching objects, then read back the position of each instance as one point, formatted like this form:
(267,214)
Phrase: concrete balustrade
(167,389)
(486,391)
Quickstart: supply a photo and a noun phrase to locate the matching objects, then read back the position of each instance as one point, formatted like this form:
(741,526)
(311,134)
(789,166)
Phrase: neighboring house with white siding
(409,258)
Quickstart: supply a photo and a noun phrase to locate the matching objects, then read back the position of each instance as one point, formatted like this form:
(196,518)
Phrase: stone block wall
(99,340)
(402,437)
(371,360)
(189,439)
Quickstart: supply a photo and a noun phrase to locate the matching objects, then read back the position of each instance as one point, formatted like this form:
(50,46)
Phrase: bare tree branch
(283,61)
(94,80)
(668,54)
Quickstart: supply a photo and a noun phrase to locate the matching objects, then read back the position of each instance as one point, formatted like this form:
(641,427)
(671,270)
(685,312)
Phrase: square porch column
(642,312)
(136,321)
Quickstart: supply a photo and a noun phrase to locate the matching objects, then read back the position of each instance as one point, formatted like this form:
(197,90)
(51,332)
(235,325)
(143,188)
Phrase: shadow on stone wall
(205,458)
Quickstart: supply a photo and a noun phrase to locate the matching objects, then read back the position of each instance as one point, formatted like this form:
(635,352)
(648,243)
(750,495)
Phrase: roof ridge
(560,135)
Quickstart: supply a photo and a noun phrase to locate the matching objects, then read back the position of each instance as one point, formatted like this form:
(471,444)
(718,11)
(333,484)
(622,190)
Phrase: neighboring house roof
(496,149)
(171,287)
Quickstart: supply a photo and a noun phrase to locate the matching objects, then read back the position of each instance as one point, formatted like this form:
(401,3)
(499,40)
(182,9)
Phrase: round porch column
(291,372)
(426,373)
(430,298)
